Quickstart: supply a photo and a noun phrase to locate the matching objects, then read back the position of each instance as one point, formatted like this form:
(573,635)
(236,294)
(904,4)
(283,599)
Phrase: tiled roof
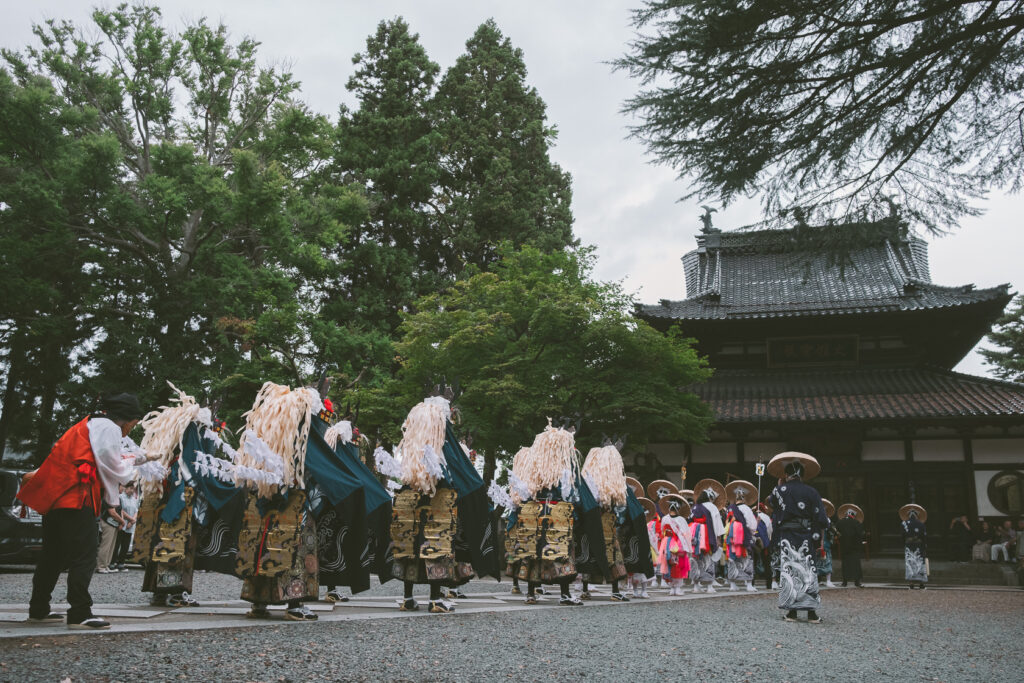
(857,394)
(738,275)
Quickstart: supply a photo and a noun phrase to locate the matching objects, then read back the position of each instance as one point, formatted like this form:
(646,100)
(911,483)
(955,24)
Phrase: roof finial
(706,219)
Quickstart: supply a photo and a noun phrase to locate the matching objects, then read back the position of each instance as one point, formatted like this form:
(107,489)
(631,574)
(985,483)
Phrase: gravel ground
(869,634)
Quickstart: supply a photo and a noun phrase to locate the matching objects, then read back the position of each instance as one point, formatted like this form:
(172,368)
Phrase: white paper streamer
(342,430)
(499,496)
(387,464)
(442,402)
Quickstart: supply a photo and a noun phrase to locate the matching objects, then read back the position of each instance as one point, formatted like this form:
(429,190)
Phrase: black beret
(122,406)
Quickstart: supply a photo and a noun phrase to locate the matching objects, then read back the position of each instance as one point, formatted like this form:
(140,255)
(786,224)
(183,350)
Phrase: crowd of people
(985,542)
(296,508)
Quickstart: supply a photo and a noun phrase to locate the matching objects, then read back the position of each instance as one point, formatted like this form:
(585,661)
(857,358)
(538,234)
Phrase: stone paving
(485,597)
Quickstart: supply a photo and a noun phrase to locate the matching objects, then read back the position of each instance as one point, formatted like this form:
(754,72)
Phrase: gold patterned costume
(541,541)
(277,552)
(423,530)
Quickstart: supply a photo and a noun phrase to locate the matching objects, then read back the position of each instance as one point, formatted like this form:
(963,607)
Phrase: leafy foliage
(1007,361)
(839,108)
(534,336)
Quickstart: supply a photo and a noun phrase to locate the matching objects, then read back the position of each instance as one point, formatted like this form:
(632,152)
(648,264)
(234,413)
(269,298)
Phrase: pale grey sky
(622,204)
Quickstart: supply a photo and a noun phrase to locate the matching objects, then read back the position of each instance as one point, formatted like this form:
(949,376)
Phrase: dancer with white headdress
(191,509)
(799,520)
(915,544)
(604,476)
(543,531)
(442,527)
(277,546)
(706,532)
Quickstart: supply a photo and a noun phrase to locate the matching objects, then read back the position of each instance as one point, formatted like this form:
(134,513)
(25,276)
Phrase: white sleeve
(105,439)
(716,518)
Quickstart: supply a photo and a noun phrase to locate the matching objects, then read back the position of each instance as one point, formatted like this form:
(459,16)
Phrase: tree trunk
(490,465)
(16,361)
(47,430)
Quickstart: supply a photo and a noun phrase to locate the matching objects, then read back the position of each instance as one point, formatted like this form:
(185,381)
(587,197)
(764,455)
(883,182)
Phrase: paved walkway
(127,618)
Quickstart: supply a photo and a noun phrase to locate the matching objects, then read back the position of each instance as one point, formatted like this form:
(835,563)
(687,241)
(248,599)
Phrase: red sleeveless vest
(58,483)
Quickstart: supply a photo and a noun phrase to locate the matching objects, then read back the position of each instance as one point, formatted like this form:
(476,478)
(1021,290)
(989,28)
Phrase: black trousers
(69,542)
(124,539)
(851,568)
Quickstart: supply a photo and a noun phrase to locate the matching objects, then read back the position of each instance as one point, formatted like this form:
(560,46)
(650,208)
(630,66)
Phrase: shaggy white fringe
(342,431)
(499,496)
(386,464)
(269,469)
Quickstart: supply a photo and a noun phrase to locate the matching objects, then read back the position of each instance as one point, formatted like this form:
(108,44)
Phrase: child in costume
(675,546)
(706,531)
(191,509)
(823,562)
(740,534)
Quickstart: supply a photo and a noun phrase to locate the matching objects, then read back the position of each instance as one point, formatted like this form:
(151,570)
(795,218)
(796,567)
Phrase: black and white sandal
(408,605)
(89,624)
(335,596)
(441,607)
(300,613)
(183,599)
(619,597)
(52,616)
(570,600)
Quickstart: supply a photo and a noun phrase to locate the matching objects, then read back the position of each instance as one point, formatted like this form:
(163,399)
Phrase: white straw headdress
(603,468)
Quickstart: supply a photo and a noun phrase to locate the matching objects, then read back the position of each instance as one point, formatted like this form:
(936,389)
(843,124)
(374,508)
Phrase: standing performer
(823,560)
(653,527)
(656,490)
(544,526)
(741,533)
(635,540)
(915,544)
(277,545)
(340,499)
(516,493)
(706,532)
(799,521)
(441,527)
(675,546)
(185,489)
(603,475)
(850,528)
(81,473)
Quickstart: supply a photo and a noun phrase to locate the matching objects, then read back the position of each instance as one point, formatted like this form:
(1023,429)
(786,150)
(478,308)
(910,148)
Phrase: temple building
(850,361)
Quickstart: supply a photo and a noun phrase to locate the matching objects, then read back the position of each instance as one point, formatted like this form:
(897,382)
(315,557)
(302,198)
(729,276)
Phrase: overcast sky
(624,205)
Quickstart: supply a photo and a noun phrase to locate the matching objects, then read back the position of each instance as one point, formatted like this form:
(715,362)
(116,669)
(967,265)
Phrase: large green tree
(54,165)
(535,337)
(1007,359)
(837,107)
(217,221)
(390,146)
(498,182)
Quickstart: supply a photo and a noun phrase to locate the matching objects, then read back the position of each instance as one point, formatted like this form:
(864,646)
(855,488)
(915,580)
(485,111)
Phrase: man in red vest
(69,489)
